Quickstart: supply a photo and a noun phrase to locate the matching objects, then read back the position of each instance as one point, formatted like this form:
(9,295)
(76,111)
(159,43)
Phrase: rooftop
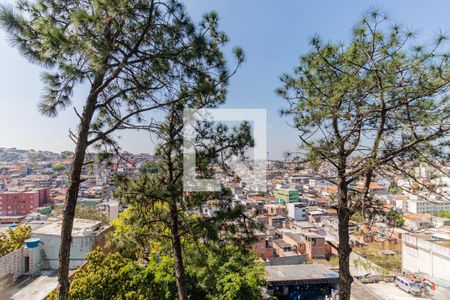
(417,216)
(282,244)
(313,235)
(81,227)
(300,273)
(296,237)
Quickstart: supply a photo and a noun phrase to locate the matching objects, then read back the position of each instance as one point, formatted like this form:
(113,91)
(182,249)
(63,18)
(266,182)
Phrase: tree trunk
(72,192)
(177,254)
(345,278)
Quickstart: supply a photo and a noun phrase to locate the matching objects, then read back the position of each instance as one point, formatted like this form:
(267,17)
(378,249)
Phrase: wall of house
(262,249)
(315,247)
(300,246)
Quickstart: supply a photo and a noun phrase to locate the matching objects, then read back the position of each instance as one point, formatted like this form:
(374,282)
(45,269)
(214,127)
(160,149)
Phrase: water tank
(32,243)
(12,225)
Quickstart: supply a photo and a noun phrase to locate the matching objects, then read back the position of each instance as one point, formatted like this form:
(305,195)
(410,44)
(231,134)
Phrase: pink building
(22,203)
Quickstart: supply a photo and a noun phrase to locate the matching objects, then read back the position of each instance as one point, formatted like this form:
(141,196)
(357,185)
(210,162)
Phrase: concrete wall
(426,257)
(80,247)
(12,265)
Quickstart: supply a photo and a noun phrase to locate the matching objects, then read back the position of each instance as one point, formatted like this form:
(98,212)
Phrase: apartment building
(416,206)
(287,195)
(296,211)
(315,245)
(23,202)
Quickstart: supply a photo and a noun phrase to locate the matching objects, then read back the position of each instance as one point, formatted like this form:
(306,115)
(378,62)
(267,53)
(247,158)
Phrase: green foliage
(395,190)
(14,238)
(135,57)
(223,273)
(358,217)
(219,269)
(90,213)
(389,263)
(369,107)
(66,154)
(230,274)
(444,214)
(395,218)
(149,167)
(334,261)
(35,166)
(373,105)
(58,166)
(113,276)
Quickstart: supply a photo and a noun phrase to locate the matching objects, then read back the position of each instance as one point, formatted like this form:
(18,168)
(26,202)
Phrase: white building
(416,206)
(438,222)
(425,255)
(296,211)
(110,209)
(86,235)
(418,221)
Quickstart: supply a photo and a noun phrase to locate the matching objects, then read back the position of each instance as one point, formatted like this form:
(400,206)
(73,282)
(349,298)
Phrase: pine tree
(370,107)
(134,57)
(160,196)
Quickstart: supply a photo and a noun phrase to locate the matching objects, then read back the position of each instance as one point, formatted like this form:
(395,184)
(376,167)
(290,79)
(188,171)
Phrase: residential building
(275,209)
(23,202)
(418,206)
(314,245)
(438,222)
(418,221)
(296,211)
(262,247)
(276,221)
(286,195)
(86,235)
(282,249)
(296,241)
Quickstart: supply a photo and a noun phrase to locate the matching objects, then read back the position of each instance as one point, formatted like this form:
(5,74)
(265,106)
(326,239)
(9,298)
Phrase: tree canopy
(14,238)
(141,267)
(135,57)
(58,166)
(370,107)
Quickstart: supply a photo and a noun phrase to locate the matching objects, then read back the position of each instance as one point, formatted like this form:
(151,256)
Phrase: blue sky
(273,35)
